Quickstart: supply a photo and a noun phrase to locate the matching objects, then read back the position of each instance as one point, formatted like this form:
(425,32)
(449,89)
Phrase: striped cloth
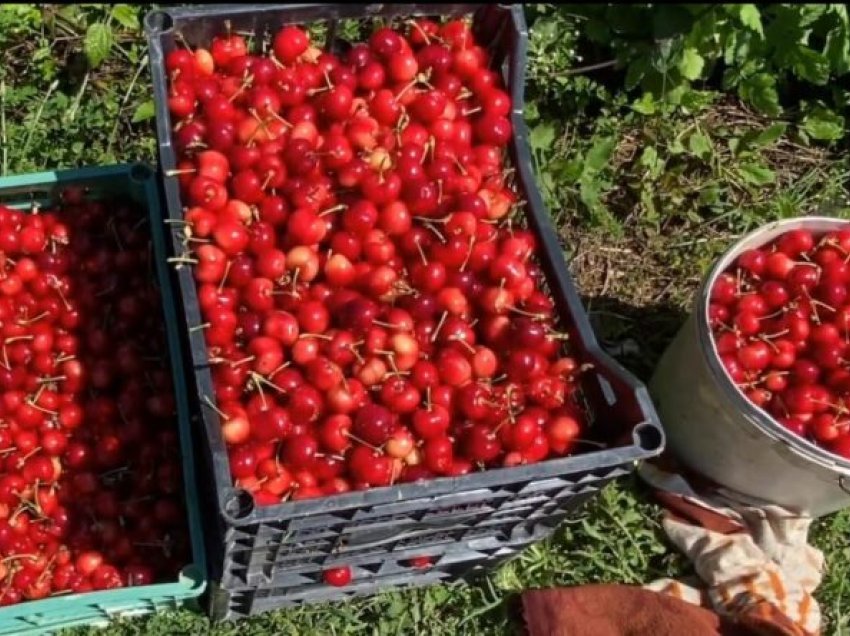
(751,560)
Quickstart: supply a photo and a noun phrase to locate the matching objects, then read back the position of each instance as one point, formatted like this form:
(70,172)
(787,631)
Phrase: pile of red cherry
(372,309)
(90,479)
(781,323)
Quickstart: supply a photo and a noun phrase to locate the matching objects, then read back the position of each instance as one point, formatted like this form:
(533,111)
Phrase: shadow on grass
(635,335)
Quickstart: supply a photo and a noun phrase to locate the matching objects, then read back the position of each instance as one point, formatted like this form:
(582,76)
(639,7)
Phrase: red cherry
(338,577)
(373,424)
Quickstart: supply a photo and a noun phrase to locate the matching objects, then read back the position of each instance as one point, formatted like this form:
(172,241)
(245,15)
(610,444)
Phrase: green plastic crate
(137,182)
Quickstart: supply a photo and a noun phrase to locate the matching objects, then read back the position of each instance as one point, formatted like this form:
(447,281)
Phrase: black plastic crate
(266,557)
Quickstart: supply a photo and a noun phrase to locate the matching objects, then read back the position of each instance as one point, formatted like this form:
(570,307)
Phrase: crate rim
(191,580)
(647,434)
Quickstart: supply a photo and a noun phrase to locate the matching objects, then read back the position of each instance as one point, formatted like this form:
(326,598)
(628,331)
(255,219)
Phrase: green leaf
(837,49)
(127,16)
(756,174)
(649,159)
(645,105)
(700,145)
(599,155)
(810,13)
(769,134)
(760,91)
(662,57)
(676,147)
(144,111)
(674,94)
(810,65)
(691,64)
(824,124)
(648,203)
(750,17)
(635,73)
(97,43)
(694,101)
(542,136)
(755,139)
(531,111)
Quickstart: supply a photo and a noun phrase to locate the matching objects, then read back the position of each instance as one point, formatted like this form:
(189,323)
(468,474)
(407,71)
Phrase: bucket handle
(842,483)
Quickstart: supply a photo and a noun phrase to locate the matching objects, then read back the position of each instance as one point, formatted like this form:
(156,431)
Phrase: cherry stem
(17,338)
(436,231)
(29,321)
(421,31)
(283,121)
(48,380)
(439,326)
(406,88)
(246,82)
(822,304)
(460,340)
(16,557)
(459,165)
(258,384)
(259,379)
(386,325)
(267,179)
(224,276)
(336,208)
(212,405)
(181,260)
(427,219)
(356,353)
(778,334)
(363,442)
(421,251)
(175,172)
(537,317)
(279,369)
(468,253)
(35,450)
(200,327)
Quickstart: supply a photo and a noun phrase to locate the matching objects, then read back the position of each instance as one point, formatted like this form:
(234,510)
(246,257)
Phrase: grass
(643,204)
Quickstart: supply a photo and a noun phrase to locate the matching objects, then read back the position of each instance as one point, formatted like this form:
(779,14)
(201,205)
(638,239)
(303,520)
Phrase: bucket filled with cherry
(780,319)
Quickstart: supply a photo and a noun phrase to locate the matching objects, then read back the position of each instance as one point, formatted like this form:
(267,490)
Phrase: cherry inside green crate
(781,323)
(91,488)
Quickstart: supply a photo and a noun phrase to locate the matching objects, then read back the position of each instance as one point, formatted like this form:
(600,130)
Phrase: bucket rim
(756,415)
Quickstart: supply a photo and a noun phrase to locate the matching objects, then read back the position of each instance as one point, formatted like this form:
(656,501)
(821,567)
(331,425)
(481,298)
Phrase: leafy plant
(775,57)
(73,88)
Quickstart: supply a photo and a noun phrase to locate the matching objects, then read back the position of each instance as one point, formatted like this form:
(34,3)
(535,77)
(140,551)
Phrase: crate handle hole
(648,437)
(140,173)
(159,22)
(238,504)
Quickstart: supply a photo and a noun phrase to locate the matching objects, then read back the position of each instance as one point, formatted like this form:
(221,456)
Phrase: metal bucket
(717,432)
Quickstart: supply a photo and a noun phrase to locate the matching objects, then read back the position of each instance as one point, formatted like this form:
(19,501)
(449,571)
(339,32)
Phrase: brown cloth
(757,573)
(623,610)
